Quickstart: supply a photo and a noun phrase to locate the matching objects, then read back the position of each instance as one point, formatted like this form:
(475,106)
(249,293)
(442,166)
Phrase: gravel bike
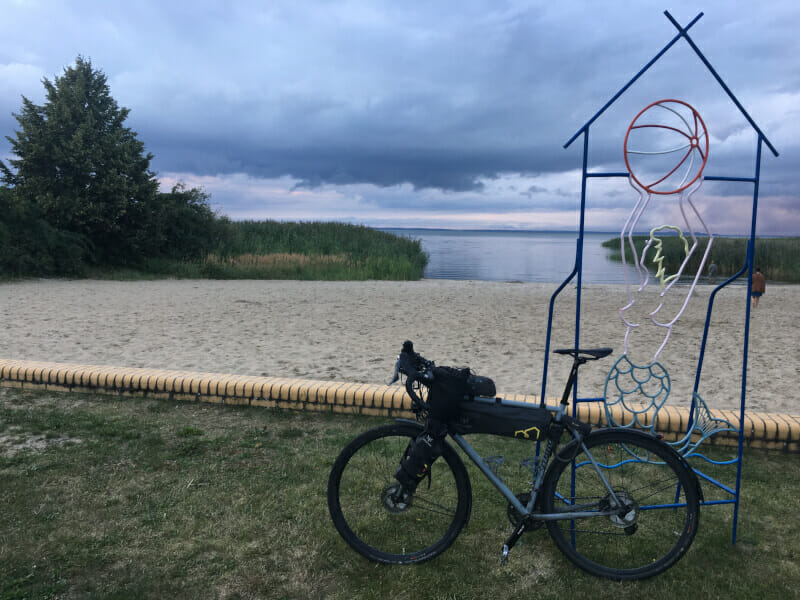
(618,503)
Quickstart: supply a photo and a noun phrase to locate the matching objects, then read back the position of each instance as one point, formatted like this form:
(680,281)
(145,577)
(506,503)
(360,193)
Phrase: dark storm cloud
(447,96)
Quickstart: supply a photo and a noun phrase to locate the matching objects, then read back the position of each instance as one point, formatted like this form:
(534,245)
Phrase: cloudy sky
(435,114)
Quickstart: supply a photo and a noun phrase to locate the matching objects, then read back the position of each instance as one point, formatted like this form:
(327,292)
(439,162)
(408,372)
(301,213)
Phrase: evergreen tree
(82,169)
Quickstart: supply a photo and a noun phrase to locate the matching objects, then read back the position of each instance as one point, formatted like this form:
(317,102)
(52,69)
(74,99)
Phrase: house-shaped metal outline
(683,33)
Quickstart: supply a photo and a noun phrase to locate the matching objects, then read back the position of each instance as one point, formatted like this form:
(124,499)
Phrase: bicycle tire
(661,495)
(391,533)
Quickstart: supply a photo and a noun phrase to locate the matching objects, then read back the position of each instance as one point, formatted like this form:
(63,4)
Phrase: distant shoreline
(569,231)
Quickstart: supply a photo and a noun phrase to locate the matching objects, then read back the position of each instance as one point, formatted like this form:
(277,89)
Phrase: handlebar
(416,368)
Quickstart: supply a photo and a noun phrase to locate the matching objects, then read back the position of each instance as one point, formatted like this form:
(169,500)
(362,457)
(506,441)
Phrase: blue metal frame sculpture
(698,416)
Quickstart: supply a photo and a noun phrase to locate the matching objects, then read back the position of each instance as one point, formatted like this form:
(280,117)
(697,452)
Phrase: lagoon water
(538,256)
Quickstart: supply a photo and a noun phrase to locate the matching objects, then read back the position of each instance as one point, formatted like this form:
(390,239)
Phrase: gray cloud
(442,97)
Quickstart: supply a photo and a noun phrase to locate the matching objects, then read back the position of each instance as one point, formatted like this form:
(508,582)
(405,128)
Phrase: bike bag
(418,458)
(498,418)
(447,390)
(481,386)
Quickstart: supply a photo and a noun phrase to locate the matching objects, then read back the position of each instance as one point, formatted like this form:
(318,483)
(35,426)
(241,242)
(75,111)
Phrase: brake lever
(396,375)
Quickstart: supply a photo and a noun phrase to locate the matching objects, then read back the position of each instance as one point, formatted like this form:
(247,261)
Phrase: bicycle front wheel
(365,508)
(648,497)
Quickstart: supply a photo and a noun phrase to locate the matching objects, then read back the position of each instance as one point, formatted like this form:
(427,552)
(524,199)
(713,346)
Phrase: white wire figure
(683,179)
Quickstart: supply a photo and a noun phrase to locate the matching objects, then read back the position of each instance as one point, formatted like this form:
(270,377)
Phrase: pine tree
(81,167)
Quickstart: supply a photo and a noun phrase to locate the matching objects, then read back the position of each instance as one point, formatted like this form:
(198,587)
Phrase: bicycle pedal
(504,554)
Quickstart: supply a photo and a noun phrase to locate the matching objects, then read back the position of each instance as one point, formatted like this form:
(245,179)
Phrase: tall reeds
(312,250)
(778,258)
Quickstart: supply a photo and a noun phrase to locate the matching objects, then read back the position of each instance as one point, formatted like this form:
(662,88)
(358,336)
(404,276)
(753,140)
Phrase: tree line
(80,193)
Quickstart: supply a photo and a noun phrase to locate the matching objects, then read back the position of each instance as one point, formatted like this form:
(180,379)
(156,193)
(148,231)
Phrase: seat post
(577,362)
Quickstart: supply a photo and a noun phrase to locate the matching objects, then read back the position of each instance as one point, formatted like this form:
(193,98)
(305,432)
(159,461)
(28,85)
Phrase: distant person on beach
(759,286)
(712,272)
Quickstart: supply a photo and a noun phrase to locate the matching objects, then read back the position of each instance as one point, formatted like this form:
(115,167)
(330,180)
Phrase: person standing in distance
(759,286)
(712,272)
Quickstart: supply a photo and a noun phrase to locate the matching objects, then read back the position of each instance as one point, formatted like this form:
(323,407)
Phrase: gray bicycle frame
(498,483)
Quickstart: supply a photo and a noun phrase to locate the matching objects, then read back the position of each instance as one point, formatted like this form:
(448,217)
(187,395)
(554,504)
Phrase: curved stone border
(762,430)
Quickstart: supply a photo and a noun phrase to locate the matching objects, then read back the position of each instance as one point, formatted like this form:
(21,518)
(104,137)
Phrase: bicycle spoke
(376,520)
(432,506)
(646,510)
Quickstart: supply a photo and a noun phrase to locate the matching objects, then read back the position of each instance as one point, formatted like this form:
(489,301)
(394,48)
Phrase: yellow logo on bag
(526,433)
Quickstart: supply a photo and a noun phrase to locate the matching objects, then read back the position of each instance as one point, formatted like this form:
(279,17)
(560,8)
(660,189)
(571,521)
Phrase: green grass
(778,258)
(307,251)
(138,498)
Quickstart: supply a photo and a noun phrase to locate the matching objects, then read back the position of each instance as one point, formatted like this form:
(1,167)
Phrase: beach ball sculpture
(666,147)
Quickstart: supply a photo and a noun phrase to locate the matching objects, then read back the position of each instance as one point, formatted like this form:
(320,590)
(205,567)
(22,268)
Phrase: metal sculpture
(682,177)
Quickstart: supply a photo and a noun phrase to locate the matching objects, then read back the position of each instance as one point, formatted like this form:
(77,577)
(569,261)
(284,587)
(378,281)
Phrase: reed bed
(305,251)
(275,260)
(778,258)
(313,250)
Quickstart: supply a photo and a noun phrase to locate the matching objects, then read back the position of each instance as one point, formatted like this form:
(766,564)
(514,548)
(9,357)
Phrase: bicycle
(619,504)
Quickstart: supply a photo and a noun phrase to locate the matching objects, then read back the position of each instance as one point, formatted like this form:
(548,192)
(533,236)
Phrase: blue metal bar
(751,247)
(601,399)
(549,331)
(575,271)
(705,177)
(744,179)
(716,502)
(732,461)
(705,340)
(662,506)
(632,81)
(625,175)
(683,32)
(579,264)
(721,486)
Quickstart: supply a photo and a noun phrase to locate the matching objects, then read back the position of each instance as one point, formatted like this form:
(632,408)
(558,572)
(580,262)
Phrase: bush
(31,247)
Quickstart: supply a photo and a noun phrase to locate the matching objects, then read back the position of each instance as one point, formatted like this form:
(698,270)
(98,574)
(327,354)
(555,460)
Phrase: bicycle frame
(559,414)
(541,469)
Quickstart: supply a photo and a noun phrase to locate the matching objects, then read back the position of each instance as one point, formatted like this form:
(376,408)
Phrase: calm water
(514,256)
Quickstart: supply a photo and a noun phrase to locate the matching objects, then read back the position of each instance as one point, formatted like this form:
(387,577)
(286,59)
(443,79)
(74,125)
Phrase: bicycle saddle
(591,354)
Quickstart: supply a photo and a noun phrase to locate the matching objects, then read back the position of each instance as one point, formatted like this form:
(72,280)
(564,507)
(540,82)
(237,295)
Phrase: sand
(352,331)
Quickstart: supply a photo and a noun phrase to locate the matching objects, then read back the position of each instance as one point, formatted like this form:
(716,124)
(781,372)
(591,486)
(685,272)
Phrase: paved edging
(763,430)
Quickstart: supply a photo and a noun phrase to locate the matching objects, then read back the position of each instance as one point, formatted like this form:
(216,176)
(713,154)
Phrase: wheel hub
(626,513)
(394,499)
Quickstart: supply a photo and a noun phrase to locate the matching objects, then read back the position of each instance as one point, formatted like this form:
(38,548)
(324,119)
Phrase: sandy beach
(352,331)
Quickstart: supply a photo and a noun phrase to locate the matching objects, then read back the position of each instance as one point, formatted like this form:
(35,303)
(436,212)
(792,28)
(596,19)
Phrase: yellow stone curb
(761,430)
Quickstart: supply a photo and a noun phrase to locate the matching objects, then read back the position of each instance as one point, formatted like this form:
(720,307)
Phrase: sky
(426,114)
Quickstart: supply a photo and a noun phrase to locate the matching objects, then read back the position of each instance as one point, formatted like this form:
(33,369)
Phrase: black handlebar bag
(450,386)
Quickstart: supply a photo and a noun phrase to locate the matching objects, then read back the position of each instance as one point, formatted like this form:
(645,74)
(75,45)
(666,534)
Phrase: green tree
(81,168)
(183,226)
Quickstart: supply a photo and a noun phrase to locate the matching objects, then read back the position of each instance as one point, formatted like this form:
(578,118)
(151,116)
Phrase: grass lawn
(109,497)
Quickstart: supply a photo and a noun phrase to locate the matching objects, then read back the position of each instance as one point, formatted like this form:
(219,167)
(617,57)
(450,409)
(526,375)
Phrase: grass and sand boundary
(761,430)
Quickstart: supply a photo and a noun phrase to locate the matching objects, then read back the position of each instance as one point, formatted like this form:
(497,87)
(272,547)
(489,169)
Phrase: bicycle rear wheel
(368,515)
(658,504)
